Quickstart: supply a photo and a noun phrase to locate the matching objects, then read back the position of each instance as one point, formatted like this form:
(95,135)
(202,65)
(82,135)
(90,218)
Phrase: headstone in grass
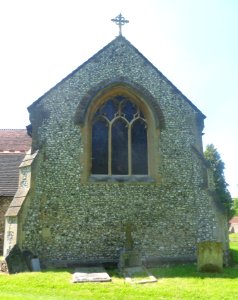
(16,262)
(32,261)
(129,256)
(35,264)
(210,256)
(28,255)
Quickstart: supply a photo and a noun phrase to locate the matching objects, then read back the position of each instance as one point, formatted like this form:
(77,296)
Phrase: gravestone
(210,256)
(16,262)
(129,244)
(129,257)
(35,264)
(28,255)
(138,275)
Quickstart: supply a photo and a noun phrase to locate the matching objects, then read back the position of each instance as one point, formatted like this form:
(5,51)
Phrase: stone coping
(16,203)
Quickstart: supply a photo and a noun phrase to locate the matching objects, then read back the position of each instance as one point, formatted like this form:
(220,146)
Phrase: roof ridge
(13,151)
(4,129)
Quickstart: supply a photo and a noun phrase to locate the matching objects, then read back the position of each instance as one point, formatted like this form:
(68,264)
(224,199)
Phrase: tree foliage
(235,206)
(217,165)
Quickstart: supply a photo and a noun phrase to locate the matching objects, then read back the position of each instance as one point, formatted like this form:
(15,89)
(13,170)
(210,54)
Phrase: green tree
(235,206)
(217,165)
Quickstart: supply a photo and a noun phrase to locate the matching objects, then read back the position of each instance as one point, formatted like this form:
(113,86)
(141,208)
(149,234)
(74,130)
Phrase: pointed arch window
(119,138)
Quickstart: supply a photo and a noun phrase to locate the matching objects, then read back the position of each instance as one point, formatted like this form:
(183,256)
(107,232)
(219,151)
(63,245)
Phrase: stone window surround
(153,135)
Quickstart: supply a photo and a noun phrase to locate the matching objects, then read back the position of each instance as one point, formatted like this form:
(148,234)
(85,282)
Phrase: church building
(116,159)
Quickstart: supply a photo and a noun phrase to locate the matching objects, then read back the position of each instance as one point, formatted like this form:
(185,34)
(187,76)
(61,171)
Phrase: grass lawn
(234,246)
(174,283)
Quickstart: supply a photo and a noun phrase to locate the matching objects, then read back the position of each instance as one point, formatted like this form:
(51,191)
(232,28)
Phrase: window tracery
(119,138)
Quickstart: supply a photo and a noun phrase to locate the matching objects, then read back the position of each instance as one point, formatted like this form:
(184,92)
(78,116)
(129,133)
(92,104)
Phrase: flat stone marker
(138,275)
(90,274)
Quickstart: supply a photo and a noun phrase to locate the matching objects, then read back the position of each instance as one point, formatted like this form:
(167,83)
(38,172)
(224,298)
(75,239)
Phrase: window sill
(121,178)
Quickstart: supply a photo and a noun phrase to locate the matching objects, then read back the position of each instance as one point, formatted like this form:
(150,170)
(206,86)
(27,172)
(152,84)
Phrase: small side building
(233,225)
(13,145)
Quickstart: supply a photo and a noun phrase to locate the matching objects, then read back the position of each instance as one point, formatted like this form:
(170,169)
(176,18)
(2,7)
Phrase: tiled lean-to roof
(14,143)
(14,140)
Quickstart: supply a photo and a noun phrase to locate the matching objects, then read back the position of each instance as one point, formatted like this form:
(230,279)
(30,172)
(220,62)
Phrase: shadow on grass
(113,272)
(60,270)
(234,253)
(179,271)
(187,271)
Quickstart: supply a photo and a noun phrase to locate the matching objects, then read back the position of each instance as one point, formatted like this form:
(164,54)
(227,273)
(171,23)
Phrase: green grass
(182,282)
(174,283)
(233,237)
(234,247)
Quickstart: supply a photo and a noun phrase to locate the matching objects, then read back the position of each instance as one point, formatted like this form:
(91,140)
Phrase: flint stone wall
(67,220)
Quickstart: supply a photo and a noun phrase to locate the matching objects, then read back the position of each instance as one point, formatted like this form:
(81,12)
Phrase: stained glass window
(119,139)
(100,147)
(119,147)
(139,147)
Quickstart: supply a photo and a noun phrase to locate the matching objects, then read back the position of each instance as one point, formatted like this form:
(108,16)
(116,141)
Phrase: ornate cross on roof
(120,20)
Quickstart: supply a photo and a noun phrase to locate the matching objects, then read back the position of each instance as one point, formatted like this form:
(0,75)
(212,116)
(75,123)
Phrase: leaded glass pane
(100,147)
(119,147)
(129,109)
(109,109)
(139,148)
(119,99)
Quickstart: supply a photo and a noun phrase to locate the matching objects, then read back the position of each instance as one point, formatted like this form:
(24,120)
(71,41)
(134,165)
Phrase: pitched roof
(123,40)
(14,140)
(9,172)
(234,220)
(14,143)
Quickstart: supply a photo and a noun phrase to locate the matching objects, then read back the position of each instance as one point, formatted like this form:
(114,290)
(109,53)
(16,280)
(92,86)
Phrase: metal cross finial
(120,20)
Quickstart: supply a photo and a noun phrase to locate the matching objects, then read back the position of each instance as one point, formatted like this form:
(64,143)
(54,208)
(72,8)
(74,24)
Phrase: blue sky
(192,42)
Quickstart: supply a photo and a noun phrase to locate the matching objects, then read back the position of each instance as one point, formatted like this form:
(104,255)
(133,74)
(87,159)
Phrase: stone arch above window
(125,85)
(120,132)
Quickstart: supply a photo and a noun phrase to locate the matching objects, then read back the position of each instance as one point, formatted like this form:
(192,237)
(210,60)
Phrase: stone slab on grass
(91,274)
(138,275)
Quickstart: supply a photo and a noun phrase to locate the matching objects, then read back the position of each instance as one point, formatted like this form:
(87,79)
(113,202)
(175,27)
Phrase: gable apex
(118,38)
(120,43)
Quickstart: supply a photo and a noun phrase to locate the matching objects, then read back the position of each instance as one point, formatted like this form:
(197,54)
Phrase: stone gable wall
(67,220)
